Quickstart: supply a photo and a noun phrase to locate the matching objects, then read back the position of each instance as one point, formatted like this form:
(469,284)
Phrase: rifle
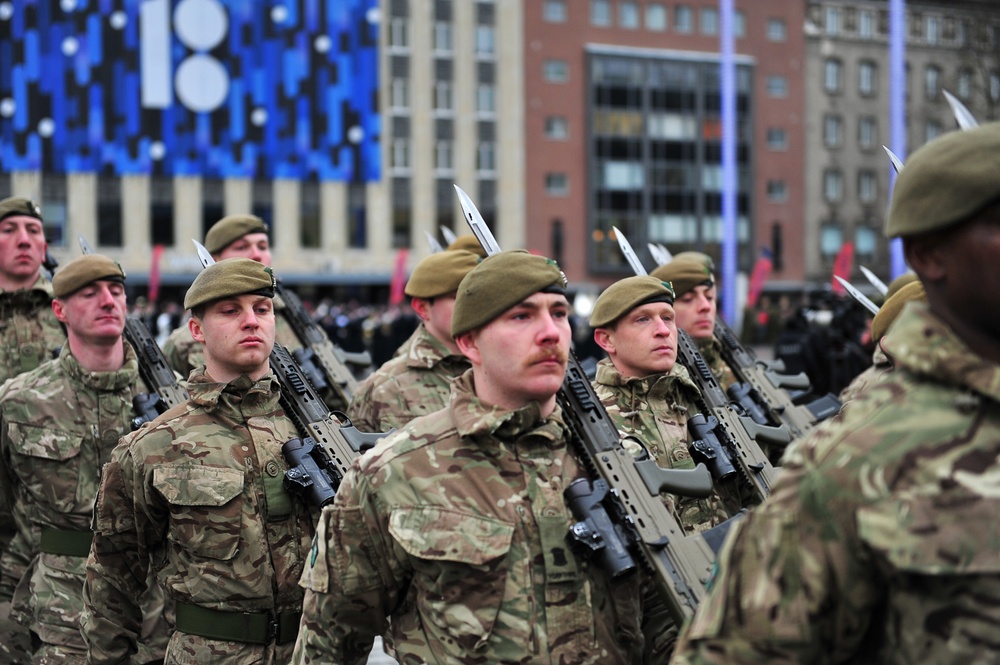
(621,516)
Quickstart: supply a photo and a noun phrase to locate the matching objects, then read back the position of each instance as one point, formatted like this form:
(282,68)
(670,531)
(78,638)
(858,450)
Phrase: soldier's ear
(59,310)
(466,343)
(604,339)
(194,325)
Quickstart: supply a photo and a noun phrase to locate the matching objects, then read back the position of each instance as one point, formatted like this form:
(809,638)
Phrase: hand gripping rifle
(726,438)
(621,516)
(329,443)
(157,376)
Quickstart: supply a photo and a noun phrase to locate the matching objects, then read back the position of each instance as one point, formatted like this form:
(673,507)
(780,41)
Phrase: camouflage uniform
(878,543)
(711,351)
(456,528)
(407,386)
(197,495)
(30,334)
(881,365)
(58,425)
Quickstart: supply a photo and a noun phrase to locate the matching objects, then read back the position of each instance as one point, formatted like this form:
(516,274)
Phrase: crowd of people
(180,540)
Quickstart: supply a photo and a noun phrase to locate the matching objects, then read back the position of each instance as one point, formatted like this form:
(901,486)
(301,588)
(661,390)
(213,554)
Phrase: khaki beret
(231,228)
(230,277)
(440,273)
(900,282)
(684,274)
(85,270)
(888,312)
(469,243)
(625,295)
(500,282)
(946,181)
(697,256)
(15,205)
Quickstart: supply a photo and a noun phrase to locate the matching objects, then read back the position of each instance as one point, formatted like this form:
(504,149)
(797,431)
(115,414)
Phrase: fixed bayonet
(433,243)
(874,280)
(962,115)
(477,223)
(857,295)
(449,235)
(897,163)
(660,254)
(630,255)
(84,245)
(204,255)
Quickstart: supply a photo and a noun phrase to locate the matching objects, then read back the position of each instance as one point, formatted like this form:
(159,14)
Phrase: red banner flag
(843,266)
(398,283)
(154,274)
(758,276)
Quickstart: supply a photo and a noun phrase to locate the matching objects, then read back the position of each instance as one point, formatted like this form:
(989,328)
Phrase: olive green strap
(246,627)
(66,543)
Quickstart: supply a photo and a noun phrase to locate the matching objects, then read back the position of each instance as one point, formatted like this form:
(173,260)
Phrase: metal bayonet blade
(897,163)
(84,245)
(477,223)
(962,115)
(630,255)
(875,281)
(433,243)
(449,235)
(660,254)
(203,254)
(857,295)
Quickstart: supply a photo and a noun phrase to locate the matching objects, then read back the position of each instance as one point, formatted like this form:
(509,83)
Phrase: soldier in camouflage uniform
(197,496)
(450,535)
(232,236)
(695,306)
(878,543)
(58,425)
(418,380)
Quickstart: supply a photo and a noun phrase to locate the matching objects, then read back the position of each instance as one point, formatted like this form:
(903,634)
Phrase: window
(442,37)
(709,21)
(777,86)
(867,132)
(401,153)
(831,21)
(555,71)
(442,156)
(656,17)
(739,24)
(484,40)
(865,242)
(833,185)
(867,186)
(399,33)
(486,157)
(556,127)
(777,139)
(833,131)
(867,78)
(932,130)
(442,96)
(933,30)
(485,98)
(776,30)
(622,176)
(866,24)
(994,86)
(554,11)
(556,184)
(833,75)
(400,93)
(964,87)
(600,12)
(628,15)
(683,19)
(831,238)
(932,81)
(777,191)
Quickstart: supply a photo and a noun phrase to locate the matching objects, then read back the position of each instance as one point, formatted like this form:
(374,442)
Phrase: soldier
(197,496)
(455,526)
(469,243)
(232,236)
(417,381)
(878,543)
(58,423)
(695,306)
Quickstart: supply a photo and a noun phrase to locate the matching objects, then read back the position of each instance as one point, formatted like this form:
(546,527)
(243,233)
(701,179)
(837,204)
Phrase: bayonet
(630,255)
(203,254)
(84,245)
(477,223)
(874,280)
(449,235)
(897,163)
(660,254)
(433,243)
(962,115)
(857,295)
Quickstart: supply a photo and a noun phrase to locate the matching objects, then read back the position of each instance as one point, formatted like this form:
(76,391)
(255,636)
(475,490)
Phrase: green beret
(85,270)
(230,277)
(697,256)
(470,243)
(684,274)
(500,282)
(231,228)
(440,273)
(898,283)
(946,181)
(888,312)
(15,205)
(625,295)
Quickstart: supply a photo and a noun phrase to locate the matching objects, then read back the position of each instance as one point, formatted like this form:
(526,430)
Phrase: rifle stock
(164,390)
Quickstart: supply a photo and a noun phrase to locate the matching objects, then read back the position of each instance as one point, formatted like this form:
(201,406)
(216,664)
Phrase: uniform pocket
(206,508)
(47,461)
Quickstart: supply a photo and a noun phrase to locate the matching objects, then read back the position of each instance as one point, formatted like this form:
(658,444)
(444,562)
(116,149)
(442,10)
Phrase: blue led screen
(218,88)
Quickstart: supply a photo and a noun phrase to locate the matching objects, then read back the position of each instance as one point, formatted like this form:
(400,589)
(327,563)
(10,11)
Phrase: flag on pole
(758,276)
(398,283)
(154,274)
(843,266)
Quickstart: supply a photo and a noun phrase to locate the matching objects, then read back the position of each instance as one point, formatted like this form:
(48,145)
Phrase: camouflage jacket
(185,355)
(711,351)
(30,334)
(409,385)
(880,367)
(878,543)
(655,410)
(197,494)
(455,528)
(58,426)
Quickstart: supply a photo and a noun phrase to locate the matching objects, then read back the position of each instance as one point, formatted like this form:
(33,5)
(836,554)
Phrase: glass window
(831,20)
(484,40)
(831,238)
(656,17)
(556,127)
(867,132)
(555,71)
(739,24)
(622,175)
(443,156)
(933,30)
(964,88)
(709,21)
(776,30)
(865,241)
(442,37)
(556,184)
(399,33)
(400,153)
(777,191)
(674,126)
(995,86)
(485,98)
(600,12)
(777,138)
(442,96)
(932,130)
(833,185)
(932,81)
(866,24)
(683,19)
(867,186)
(832,75)
(867,78)
(628,15)
(777,86)
(400,93)
(833,131)
(554,11)
(486,157)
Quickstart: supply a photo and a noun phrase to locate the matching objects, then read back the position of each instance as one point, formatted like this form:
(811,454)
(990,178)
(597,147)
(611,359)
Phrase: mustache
(540,356)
